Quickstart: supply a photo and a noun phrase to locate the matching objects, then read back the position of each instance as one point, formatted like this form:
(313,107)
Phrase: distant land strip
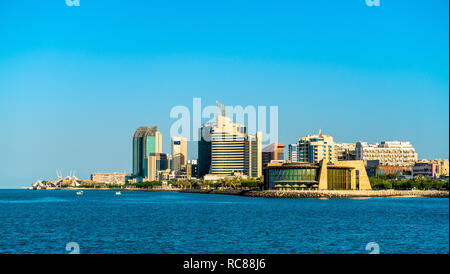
(291,193)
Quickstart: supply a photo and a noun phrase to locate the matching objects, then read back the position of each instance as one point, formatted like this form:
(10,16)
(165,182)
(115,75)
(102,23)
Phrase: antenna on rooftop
(220,109)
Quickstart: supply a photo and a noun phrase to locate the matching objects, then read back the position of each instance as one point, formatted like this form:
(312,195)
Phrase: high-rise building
(293,152)
(204,151)
(345,151)
(179,152)
(389,153)
(274,151)
(225,149)
(313,148)
(146,140)
(156,162)
(191,169)
(178,162)
(253,155)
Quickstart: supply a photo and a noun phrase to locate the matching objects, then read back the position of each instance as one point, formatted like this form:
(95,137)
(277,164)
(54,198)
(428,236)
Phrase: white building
(314,148)
(293,152)
(389,153)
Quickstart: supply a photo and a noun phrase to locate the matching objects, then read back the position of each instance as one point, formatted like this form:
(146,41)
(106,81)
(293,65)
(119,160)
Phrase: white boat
(118,193)
(79,192)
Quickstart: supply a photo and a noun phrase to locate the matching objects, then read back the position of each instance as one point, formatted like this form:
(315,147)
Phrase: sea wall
(216,191)
(293,193)
(326,193)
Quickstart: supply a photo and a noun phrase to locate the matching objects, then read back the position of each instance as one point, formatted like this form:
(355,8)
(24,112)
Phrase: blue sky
(75,82)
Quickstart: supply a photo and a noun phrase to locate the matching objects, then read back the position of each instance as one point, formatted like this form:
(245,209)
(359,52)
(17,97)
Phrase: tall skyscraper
(293,152)
(225,149)
(314,148)
(179,152)
(253,155)
(146,140)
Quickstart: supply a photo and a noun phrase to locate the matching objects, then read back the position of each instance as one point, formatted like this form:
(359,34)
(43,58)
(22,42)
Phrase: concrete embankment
(325,193)
(216,191)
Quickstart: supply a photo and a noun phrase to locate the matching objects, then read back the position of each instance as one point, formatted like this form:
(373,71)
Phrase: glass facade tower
(146,140)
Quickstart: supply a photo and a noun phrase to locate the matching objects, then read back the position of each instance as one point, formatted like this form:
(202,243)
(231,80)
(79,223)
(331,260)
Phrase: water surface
(171,222)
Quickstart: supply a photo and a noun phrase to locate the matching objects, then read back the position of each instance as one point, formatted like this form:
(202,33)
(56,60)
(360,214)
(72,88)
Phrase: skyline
(76,82)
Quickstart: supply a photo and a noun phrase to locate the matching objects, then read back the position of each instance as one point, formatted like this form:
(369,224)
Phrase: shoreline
(327,193)
(293,193)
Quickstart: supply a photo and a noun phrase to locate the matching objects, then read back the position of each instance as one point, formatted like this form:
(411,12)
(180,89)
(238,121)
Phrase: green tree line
(420,182)
(228,183)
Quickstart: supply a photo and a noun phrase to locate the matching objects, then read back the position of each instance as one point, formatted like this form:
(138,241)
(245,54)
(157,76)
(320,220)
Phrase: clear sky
(76,82)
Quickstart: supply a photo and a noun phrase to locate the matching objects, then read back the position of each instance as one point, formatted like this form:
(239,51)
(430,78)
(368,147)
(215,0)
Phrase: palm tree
(225,182)
(236,181)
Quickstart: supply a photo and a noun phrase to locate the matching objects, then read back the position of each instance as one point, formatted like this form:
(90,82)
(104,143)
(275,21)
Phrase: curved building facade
(146,140)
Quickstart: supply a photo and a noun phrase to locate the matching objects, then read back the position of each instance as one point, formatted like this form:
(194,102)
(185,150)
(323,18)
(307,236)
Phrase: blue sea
(37,221)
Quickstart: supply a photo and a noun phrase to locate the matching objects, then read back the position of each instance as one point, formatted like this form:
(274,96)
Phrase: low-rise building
(443,167)
(340,175)
(425,168)
(373,168)
(392,153)
(110,178)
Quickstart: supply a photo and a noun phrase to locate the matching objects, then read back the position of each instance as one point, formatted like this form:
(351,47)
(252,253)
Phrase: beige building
(179,152)
(156,162)
(314,148)
(109,178)
(340,175)
(443,167)
(389,153)
(226,149)
(178,162)
(345,151)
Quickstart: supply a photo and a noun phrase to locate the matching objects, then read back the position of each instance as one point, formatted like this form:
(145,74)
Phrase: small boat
(118,193)
(79,192)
